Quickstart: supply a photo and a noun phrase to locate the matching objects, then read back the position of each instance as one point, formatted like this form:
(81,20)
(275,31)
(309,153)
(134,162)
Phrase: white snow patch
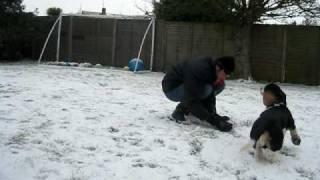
(80,123)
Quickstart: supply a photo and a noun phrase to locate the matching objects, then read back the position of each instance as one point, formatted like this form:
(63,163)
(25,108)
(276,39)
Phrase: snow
(90,123)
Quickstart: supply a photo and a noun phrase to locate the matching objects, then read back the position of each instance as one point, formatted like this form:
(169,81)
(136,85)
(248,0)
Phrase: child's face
(268,98)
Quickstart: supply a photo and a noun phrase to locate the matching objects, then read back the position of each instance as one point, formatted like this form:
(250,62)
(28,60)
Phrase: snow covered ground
(81,123)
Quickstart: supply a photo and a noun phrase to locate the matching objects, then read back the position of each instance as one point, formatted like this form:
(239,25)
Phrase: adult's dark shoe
(179,112)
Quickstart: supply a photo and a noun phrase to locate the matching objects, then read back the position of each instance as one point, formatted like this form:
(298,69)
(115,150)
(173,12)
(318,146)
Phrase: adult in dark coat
(194,84)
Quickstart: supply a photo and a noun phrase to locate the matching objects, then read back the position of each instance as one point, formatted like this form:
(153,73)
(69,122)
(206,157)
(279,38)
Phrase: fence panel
(267,52)
(303,55)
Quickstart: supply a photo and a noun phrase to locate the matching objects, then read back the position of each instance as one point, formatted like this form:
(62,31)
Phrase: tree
(195,10)
(310,21)
(8,10)
(54,11)
(17,30)
(244,12)
(251,11)
(11,7)
(145,6)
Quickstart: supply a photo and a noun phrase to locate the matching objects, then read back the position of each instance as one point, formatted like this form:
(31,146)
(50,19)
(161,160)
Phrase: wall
(274,52)
(111,42)
(286,53)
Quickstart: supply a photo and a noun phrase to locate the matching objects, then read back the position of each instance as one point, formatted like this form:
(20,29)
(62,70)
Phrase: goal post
(151,28)
(59,19)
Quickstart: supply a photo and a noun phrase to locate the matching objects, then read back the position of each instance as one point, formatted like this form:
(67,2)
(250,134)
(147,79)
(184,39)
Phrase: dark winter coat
(194,74)
(273,120)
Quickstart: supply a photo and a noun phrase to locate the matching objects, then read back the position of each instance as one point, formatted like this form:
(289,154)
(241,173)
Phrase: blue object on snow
(136,62)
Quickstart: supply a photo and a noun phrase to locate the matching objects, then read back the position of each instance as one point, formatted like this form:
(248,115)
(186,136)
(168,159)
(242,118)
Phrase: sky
(128,7)
(125,7)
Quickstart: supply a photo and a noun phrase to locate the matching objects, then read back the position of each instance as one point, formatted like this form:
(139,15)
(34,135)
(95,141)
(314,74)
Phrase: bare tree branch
(144,9)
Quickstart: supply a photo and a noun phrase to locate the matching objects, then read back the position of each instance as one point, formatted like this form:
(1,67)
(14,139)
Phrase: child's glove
(296,140)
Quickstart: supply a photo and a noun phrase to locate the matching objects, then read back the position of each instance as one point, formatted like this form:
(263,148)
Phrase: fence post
(318,82)
(59,37)
(153,41)
(164,45)
(114,42)
(47,39)
(284,54)
(161,44)
(70,34)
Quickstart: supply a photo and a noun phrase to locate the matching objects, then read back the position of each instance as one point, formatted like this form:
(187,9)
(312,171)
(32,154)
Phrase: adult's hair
(227,63)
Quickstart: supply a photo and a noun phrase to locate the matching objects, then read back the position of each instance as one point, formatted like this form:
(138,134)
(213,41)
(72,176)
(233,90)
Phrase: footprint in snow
(36,142)
(56,97)
(159,142)
(94,118)
(196,147)
(18,139)
(28,100)
(173,147)
(45,125)
(174,178)
(287,152)
(152,111)
(135,141)
(146,149)
(142,163)
(308,174)
(116,89)
(118,103)
(113,130)
(247,123)
(103,84)
(90,148)
(235,134)
(98,74)
(208,133)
